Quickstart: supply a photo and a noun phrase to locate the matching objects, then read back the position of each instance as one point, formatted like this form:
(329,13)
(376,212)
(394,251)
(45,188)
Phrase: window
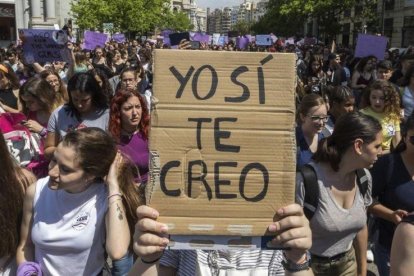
(388,27)
(408,21)
(389,5)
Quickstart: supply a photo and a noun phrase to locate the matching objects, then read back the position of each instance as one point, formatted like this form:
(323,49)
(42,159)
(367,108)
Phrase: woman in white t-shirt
(81,210)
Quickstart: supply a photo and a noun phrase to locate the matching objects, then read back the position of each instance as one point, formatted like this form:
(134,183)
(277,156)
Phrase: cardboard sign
(94,39)
(119,38)
(263,40)
(222,141)
(371,45)
(44,45)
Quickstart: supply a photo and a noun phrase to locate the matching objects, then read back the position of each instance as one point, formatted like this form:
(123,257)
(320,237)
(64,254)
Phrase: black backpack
(310,182)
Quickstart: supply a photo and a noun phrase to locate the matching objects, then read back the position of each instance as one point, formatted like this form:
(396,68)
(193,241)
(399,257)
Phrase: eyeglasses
(317,118)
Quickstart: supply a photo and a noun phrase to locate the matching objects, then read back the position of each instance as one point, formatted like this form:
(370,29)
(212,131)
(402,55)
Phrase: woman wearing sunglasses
(393,187)
(312,116)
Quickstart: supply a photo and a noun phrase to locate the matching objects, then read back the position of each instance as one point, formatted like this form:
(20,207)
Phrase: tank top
(68,230)
(8,98)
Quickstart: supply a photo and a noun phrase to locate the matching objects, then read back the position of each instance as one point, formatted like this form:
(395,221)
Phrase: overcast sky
(218,3)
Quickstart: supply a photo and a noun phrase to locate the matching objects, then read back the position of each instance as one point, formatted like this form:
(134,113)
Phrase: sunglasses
(316,118)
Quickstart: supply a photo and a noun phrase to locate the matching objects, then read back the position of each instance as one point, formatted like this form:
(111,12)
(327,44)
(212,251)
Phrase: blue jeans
(382,259)
(122,266)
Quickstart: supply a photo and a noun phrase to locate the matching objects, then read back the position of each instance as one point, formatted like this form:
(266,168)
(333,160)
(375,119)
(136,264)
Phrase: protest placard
(120,38)
(263,40)
(371,45)
(222,141)
(44,45)
(201,37)
(242,42)
(94,39)
(216,39)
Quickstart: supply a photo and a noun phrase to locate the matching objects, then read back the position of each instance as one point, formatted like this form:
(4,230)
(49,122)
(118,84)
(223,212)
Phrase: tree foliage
(243,27)
(126,15)
(287,17)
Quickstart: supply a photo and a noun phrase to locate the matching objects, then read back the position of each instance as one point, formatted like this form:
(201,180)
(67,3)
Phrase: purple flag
(371,45)
(94,39)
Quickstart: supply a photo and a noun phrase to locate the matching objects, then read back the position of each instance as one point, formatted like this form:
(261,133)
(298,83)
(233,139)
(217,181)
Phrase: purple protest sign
(202,38)
(94,39)
(371,45)
(120,38)
(242,42)
(44,45)
(249,37)
(166,35)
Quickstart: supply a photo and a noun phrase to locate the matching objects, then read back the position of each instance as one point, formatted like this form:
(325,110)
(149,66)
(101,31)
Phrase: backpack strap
(362,181)
(310,182)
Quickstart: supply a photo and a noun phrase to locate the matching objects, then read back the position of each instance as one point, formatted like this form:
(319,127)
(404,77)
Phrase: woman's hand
(397,216)
(150,236)
(33,126)
(292,231)
(112,177)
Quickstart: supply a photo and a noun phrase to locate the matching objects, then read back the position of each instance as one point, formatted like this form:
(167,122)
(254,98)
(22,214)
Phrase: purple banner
(202,38)
(120,38)
(94,39)
(242,42)
(44,45)
(371,45)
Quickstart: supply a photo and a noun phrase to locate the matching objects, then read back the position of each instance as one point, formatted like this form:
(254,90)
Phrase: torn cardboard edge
(181,242)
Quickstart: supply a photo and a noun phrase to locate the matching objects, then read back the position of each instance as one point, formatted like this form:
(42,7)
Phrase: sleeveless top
(8,98)
(68,230)
(362,80)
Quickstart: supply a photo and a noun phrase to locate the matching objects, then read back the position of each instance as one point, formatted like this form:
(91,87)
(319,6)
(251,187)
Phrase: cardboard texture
(228,172)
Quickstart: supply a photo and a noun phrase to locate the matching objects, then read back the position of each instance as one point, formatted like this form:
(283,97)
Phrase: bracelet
(43,132)
(151,262)
(117,194)
(290,266)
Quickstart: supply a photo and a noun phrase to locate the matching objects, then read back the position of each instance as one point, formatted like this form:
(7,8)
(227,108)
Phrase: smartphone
(195,45)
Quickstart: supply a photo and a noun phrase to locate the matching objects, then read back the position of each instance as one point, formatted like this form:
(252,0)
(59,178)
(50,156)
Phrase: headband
(4,69)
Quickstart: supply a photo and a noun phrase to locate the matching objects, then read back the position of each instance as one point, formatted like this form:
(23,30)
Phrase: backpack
(23,145)
(310,182)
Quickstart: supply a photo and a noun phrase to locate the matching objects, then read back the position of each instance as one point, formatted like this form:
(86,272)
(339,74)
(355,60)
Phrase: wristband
(151,262)
(290,266)
(117,194)
(43,132)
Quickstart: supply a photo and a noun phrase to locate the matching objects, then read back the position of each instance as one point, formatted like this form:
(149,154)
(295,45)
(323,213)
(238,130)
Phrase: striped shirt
(224,262)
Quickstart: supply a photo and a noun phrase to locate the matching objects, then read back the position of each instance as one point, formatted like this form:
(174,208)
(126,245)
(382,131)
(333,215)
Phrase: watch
(290,266)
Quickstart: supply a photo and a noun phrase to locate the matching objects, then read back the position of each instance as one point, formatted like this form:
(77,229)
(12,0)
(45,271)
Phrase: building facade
(37,14)
(197,16)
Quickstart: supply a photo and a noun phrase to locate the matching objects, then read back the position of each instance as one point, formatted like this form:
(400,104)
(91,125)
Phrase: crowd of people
(73,196)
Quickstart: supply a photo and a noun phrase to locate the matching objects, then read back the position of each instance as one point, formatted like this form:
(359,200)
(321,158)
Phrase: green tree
(286,16)
(243,27)
(177,21)
(126,15)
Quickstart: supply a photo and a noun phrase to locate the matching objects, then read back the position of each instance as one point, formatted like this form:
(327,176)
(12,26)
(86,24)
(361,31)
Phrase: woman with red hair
(129,126)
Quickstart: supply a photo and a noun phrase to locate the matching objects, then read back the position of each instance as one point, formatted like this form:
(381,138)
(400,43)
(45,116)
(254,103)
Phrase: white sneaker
(370,256)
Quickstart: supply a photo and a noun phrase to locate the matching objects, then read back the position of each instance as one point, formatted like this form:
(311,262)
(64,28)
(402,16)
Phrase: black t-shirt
(394,188)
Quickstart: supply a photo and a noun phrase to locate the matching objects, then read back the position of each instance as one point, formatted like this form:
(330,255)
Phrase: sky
(218,3)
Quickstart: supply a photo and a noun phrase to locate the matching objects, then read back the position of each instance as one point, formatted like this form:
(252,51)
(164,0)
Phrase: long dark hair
(86,83)
(349,127)
(12,186)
